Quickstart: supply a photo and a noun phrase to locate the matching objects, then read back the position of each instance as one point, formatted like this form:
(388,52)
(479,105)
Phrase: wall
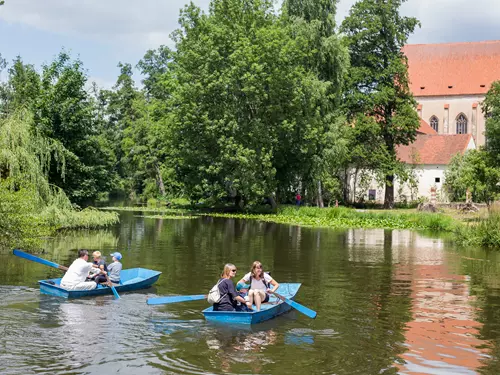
(469,105)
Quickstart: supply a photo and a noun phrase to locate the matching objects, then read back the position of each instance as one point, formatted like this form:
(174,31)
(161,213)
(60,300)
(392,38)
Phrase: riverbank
(335,217)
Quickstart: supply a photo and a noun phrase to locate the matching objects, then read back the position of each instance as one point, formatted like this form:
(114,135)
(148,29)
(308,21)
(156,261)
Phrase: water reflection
(388,302)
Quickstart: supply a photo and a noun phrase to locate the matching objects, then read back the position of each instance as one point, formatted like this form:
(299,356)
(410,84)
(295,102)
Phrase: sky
(103,33)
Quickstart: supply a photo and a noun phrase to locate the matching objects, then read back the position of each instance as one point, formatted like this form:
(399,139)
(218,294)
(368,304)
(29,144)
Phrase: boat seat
(132,281)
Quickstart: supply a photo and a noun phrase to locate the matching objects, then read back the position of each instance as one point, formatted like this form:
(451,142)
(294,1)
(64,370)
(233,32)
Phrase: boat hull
(270,310)
(131,279)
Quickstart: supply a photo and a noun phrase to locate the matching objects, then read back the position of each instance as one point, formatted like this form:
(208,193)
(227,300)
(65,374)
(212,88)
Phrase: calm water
(388,302)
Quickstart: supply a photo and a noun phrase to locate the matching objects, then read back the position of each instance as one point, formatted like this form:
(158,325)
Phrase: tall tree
(378,79)
(328,58)
(246,114)
(491,108)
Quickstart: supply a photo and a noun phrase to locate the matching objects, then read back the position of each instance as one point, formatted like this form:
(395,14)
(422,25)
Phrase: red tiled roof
(433,149)
(433,68)
(425,128)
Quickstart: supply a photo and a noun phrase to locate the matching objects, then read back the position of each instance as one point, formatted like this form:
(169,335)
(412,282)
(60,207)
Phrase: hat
(240,286)
(117,255)
(96,254)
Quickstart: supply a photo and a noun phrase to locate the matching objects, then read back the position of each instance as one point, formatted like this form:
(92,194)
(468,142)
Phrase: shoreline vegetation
(470,229)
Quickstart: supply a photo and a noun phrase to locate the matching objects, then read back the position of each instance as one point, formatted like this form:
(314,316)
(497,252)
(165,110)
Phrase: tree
(491,108)
(328,59)
(246,116)
(474,170)
(378,79)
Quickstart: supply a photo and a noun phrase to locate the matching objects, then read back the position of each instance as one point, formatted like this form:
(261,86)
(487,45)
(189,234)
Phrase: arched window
(434,122)
(461,124)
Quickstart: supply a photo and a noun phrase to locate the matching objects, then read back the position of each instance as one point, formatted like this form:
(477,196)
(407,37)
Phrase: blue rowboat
(130,279)
(269,310)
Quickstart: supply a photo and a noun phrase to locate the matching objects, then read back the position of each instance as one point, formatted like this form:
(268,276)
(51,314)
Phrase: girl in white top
(259,285)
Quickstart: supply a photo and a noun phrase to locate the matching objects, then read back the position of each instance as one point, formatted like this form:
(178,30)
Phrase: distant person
(77,273)
(99,277)
(260,283)
(298,198)
(115,268)
(229,296)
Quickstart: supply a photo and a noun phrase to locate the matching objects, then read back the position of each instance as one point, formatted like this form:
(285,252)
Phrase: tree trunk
(272,202)
(354,186)
(321,204)
(159,180)
(389,192)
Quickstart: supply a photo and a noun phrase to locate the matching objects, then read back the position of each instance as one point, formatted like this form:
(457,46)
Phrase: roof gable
(453,68)
(434,149)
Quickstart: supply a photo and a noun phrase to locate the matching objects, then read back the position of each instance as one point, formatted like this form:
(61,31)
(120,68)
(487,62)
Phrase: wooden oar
(34,258)
(304,310)
(175,299)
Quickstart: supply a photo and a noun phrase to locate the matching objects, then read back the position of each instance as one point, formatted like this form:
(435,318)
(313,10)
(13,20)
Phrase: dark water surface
(388,302)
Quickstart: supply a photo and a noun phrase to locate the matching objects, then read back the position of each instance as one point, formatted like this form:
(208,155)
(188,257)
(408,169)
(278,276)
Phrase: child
(115,268)
(99,278)
(242,290)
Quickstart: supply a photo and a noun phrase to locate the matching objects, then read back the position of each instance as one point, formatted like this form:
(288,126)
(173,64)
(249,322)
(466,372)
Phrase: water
(388,302)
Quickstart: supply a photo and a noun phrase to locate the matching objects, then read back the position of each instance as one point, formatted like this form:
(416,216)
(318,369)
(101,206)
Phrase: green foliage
(491,108)
(482,232)
(247,116)
(475,170)
(30,207)
(341,217)
(378,80)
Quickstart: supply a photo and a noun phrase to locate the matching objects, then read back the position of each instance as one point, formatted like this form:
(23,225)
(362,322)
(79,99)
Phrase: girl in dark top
(227,290)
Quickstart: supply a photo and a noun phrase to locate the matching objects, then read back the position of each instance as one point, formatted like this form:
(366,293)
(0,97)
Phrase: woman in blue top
(227,290)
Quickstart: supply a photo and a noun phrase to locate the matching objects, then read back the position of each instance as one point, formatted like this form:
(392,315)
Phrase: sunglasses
(233,270)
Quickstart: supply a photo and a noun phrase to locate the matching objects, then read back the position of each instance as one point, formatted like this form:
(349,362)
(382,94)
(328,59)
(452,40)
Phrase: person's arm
(232,292)
(275,285)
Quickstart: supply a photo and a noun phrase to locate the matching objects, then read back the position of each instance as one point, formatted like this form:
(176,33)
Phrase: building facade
(449,82)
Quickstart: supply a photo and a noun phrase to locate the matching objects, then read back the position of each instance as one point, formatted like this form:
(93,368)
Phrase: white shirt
(76,273)
(257,284)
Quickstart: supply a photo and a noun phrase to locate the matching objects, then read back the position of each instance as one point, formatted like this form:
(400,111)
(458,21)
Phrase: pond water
(388,302)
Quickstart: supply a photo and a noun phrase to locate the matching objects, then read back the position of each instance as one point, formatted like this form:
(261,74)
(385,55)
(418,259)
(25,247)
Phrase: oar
(34,258)
(175,299)
(112,288)
(304,310)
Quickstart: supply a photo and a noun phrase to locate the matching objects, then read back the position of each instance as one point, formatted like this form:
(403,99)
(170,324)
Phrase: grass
(484,232)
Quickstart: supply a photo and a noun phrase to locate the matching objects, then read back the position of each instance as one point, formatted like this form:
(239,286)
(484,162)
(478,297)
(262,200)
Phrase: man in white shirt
(75,276)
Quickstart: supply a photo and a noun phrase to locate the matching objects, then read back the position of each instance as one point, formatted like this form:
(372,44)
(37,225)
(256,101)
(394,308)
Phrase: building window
(437,180)
(372,194)
(434,123)
(461,124)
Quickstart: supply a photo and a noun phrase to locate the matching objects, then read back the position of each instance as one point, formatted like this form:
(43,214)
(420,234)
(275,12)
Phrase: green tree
(328,59)
(475,170)
(491,108)
(378,79)
(247,117)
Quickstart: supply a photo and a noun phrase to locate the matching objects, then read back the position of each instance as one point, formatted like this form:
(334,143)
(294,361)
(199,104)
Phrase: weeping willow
(30,207)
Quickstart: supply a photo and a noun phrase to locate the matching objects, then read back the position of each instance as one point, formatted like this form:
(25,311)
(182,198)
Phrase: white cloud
(147,24)
(447,20)
(138,24)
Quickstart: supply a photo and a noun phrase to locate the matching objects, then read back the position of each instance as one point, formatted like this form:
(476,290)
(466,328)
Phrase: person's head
(116,256)
(229,271)
(242,287)
(96,255)
(257,269)
(84,254)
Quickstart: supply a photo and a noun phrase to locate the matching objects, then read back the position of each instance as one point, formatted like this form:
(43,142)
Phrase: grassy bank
(484,232)
(342,217)
(339,217)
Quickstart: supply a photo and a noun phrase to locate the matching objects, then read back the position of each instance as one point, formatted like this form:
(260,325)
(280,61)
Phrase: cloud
(136,24)
(148,24)
(447,20)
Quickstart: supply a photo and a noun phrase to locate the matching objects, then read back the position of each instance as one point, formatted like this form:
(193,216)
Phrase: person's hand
(269,291)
